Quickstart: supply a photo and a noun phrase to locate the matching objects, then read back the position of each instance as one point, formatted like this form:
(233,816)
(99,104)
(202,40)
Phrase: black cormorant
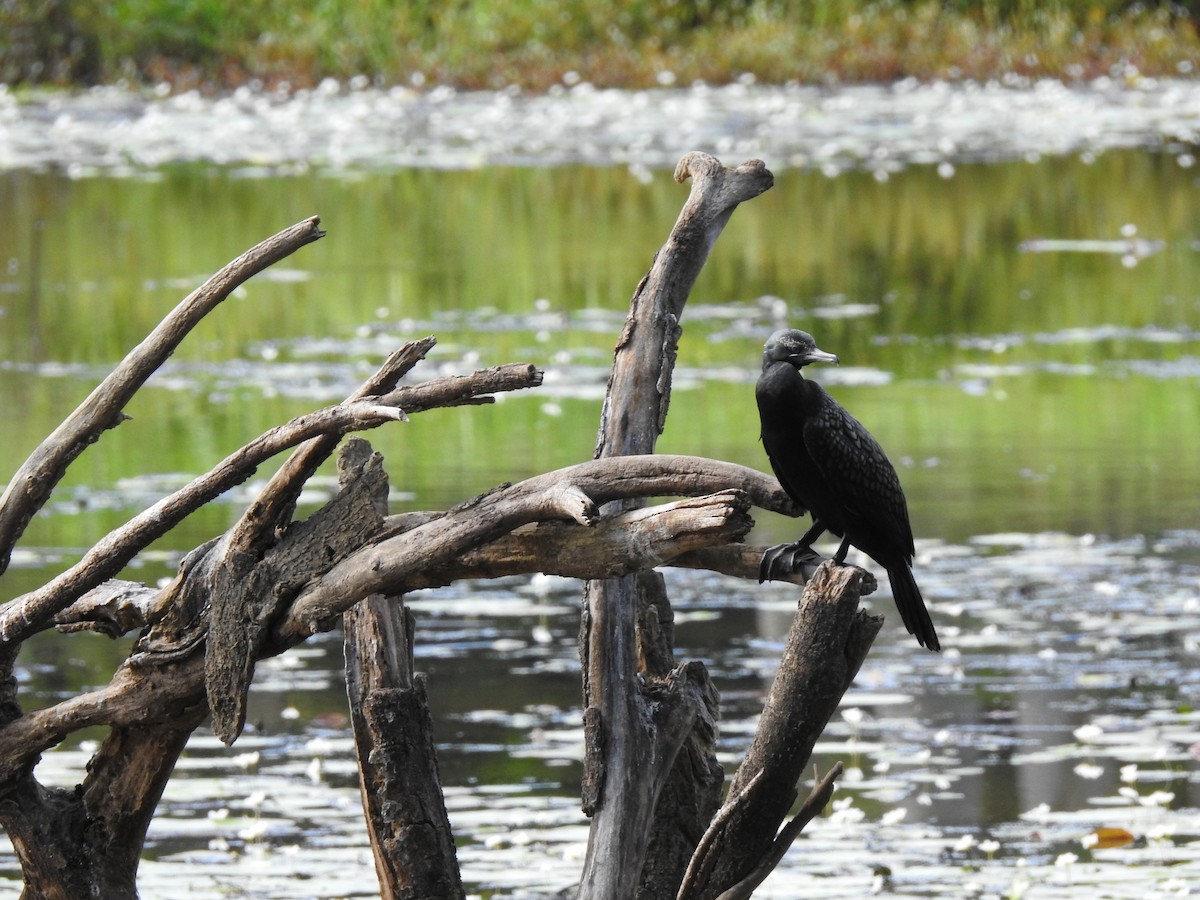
(832,467)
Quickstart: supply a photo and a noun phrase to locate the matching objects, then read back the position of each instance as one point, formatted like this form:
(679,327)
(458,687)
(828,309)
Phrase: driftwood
(651,781)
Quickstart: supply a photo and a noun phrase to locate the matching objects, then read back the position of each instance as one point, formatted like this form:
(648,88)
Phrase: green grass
(629,43)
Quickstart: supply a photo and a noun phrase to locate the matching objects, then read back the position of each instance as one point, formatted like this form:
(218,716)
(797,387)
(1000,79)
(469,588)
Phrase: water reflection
(1029,391)
(1068,661)
(1039,406)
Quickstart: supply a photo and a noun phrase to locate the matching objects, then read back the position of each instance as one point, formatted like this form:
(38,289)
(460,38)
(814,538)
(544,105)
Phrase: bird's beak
(818,355)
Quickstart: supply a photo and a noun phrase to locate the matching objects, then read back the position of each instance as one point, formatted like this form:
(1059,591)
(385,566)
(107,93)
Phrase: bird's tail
(912,607)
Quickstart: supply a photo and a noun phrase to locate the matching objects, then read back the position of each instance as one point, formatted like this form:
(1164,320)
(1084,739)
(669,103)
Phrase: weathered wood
(629,541)
(650,780)
(273,507)
(742,561)
(828,641)
(48,829)
(575,493)
(639,388)
(624,788)
(817,800)
(397,760)
(113,608)
(87,843)
(247,592)
(35,480)
(692,791)
(29,613)
(615,545)
(126,779)
(167,667)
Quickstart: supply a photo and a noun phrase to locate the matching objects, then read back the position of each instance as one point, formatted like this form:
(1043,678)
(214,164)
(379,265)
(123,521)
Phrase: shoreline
(220,45)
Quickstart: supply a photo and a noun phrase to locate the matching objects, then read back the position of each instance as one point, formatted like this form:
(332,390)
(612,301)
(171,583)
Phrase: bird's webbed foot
(780,561)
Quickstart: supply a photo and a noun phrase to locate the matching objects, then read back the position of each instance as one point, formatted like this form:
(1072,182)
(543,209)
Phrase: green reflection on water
(1005,405)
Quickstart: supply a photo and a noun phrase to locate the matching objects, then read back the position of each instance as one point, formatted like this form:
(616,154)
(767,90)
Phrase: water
(880,127)
(1014,302)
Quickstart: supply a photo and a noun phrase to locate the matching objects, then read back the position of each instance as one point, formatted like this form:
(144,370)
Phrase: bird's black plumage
(833,468)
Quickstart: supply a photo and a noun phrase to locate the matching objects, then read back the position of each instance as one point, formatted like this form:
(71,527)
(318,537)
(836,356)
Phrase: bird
(832,467)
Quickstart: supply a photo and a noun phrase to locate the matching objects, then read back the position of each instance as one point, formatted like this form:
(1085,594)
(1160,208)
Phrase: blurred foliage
(47,41)
(536,43)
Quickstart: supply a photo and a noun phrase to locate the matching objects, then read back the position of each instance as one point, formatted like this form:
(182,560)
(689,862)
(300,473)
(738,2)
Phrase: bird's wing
(781,475)
(858,471)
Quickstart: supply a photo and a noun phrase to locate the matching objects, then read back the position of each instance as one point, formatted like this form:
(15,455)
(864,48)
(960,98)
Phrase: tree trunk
(632,741)
(827,643)
(398,772)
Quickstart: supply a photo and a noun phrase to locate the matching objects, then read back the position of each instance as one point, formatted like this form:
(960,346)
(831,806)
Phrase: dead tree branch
(817,800)
(689,533)
(828,641)
(236,615)
(274,506)
(25,615)
(166,673)
(246,590)
(575,493)
(33,483)
(393,737)
(625,767)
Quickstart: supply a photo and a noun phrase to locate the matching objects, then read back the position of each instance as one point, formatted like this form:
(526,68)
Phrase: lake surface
(1010,275)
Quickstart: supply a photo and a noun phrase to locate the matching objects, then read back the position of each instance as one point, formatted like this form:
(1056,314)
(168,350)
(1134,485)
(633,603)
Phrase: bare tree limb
(113,608)
(732,803)
(273,507)
(166,673)
(829,638)
(393,736)
(690,533)
(238,614)
(33,483)
(613,547)
(742,561)
(817,800)
(31,612)
(691,792)
(640,384)
(623,776)
(387,566)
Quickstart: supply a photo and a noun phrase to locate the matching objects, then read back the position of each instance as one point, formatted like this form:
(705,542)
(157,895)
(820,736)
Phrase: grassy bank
(632,43)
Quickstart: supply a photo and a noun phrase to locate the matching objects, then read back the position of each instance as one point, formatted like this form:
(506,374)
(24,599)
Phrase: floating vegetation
(1051,750)
(881,128)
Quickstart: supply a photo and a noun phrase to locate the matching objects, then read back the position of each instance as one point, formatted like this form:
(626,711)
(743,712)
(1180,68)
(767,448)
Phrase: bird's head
(795,347)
